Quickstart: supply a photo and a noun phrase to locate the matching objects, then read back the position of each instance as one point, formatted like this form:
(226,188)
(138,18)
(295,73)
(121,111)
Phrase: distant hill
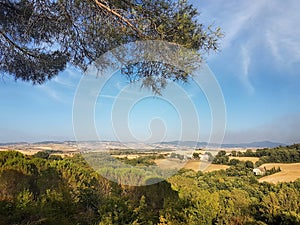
(261,144)
(49,142)
(13,143)
(168,144)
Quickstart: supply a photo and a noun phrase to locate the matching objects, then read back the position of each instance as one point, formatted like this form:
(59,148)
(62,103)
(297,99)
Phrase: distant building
(259,171)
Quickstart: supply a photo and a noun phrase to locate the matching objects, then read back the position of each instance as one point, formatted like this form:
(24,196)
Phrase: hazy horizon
(150,143)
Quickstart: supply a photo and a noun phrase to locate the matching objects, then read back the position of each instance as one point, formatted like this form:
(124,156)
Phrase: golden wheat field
(289,172)
(195,165)
(252,159)
(204,166)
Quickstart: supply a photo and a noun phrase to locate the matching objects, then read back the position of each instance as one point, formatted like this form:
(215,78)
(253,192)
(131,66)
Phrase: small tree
(42,155)
(249,164)
(196,155)
(234,162)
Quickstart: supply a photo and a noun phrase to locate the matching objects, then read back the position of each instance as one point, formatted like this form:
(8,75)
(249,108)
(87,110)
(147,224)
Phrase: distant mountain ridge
(14,143)
(257,144)
(190,144)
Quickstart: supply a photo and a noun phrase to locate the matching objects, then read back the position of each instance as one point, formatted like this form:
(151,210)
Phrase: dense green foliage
(39,38)
(287,154)
(221,158)
(123,170)
(142,160)
(39,190)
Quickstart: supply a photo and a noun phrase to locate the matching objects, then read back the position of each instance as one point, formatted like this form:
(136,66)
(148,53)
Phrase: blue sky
(257,69)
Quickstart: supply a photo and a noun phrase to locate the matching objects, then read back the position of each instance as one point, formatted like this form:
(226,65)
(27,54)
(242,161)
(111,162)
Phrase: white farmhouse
(259,171)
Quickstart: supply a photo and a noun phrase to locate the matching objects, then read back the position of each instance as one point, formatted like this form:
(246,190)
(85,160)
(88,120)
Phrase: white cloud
(60,80)
(282,33)
(113,97)
(253,28)
(233,17)
(245,65)
(57,93)
(272,43)
(272,22)
(50,92)
(69,78)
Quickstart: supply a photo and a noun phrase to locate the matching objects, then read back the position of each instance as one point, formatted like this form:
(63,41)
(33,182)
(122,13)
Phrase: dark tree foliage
(68,191)
(221,158)
(233,161)
(287,154)
(38,38)
(196,155)
(42,155)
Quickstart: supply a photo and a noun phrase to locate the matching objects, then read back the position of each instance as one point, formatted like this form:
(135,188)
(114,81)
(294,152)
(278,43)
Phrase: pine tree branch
(17,46)
(122,18)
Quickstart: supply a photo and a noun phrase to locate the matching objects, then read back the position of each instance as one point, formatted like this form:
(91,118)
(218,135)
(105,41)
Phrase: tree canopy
(38,190)
(39,38)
